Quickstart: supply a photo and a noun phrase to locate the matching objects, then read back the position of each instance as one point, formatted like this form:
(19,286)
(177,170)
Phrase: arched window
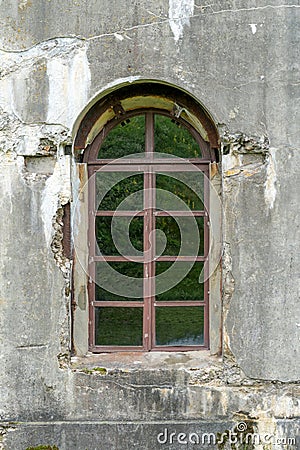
(148,190)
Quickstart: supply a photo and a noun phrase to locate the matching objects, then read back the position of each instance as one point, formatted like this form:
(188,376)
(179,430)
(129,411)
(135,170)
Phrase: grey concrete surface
(240,59)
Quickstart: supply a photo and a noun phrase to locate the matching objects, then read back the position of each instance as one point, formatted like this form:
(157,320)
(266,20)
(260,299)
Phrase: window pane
(179,191)
(119,326)
(188,286)
(179,325)
(180,234)
(119,235)
(173,138)
(119,190)
(124,139)
(119,281)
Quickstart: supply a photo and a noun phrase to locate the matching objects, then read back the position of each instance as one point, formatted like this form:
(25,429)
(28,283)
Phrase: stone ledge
(146,360)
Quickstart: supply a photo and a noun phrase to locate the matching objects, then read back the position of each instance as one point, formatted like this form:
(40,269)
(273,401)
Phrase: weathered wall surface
(241,60)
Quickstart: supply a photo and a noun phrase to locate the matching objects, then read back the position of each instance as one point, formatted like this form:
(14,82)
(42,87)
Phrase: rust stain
(248,173)
(232,172)
(81,173)
(214,170)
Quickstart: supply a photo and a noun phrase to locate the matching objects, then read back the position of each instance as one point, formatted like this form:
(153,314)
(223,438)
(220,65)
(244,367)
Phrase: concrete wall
(241,60)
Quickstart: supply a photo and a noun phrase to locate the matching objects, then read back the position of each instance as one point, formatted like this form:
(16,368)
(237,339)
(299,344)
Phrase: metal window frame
(149,167)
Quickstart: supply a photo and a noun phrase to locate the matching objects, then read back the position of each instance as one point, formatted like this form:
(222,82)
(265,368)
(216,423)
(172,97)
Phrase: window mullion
(149,135)
(149,230)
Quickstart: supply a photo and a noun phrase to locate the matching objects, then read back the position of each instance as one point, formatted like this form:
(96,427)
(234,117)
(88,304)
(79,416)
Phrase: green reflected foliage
(119,326)
(173,138)
(129,269)
(188,288)
(114,188)
(124,139)
(179,325)
(127,235)
(177,231)
(188,187)
(124,326)
(128,138)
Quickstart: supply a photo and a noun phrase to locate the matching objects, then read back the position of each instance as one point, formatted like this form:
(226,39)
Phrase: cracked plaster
(179,14)
(252,377)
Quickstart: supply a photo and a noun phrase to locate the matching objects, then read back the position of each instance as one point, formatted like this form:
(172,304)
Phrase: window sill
(105,363)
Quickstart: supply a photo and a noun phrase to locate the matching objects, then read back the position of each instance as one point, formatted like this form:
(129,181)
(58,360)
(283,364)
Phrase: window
(148,234)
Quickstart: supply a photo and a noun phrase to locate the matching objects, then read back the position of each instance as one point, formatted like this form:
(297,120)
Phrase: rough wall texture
(241,60)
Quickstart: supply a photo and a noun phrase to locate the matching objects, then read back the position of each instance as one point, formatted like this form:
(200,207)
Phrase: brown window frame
(149,167)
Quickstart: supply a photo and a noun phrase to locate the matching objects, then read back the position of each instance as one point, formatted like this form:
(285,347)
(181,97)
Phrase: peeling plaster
(230,161)
(57,191)
(19,139)
(67,72)
(180,12)
(69,84)
(253,27)
(29,142)
(270,184)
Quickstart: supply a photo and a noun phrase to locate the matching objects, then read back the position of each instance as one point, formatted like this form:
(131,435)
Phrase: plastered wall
(240,59)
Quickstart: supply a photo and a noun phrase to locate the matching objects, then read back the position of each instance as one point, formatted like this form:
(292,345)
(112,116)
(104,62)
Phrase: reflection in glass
(124,139)
(179,326)
(119,235)
(188,288)
(180,232)
(119,326)
(187,190)
(173,138)
(114,188)
(133,272)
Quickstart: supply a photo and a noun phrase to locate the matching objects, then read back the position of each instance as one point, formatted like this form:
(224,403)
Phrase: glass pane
(119,326)
(119,190)
(173,138)
(180,191)
(124,139)
(179,326)
(187,287)
(179,234)
(119,281)
(119,235)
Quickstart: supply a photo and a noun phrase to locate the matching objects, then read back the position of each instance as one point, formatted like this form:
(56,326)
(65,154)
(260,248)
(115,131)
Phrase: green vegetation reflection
(180,231)
(127,237)
(173,138)
(129,269)
(179,326)
(124,139)
(185,186)
(188,288)
(121,191)
(119,326)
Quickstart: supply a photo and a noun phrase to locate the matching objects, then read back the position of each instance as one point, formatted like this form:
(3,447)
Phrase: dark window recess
(148,236)
(68,150)
(67,231)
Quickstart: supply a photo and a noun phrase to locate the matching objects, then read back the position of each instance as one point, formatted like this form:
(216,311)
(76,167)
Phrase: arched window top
(176,115)
(147,131)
